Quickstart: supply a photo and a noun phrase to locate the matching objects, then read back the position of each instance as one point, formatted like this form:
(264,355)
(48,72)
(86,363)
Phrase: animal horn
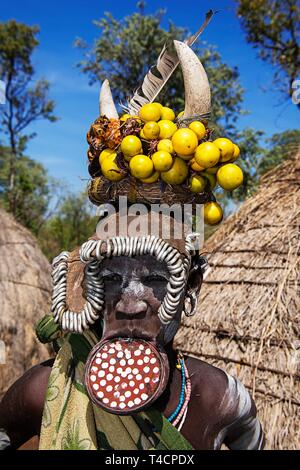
(196,84)
(106,102)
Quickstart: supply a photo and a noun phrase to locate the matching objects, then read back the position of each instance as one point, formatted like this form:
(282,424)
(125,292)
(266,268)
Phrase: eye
(154,278)
(113,277)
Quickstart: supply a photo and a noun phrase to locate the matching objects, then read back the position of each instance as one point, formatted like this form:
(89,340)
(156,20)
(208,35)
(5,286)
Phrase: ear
(194,283)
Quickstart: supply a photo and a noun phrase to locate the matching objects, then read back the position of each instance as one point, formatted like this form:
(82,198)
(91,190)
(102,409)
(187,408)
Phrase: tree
(26,102)
(272,26)
(280,146)
(33,190)
(126,50)
(72,224)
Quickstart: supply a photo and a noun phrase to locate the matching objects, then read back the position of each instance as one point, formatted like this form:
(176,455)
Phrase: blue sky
(61,146)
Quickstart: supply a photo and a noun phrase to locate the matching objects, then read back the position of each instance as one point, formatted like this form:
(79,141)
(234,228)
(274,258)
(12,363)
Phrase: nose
(130,307)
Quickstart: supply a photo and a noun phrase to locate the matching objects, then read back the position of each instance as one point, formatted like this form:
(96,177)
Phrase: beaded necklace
(185,394)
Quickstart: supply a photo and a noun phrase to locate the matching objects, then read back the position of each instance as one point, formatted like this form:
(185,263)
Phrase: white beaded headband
(93,252)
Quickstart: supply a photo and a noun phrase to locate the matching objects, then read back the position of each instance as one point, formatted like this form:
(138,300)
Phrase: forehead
(139,264)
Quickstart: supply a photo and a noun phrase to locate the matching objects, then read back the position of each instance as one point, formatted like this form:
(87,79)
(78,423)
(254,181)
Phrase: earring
(190,303)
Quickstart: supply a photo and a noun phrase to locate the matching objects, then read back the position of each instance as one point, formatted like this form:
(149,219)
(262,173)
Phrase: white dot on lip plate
(122,406)
(94,369)
(120,354)
(146,369)
(109,388)
(136,391)
(153,360)
(105,401)
(141,386)
(122,362)
(144,396)
(127,394)
(147,380)
(138,377)
(137,400)
(93,378)
(111,368)
(100,395)
(104,365)
(137,352)
(140,362)
(113,404)
(98,355)
(101,373)
(146,359)
(98,361)
(111,351)
(112,361)
(141,347)
(148,351)
(130,404)
(117,379)
(104,356)
(119,370)
(132,383)
(156,370)
(130,362)
(102,382)
(109,376)
(95,386)
(135,371)
(122,398)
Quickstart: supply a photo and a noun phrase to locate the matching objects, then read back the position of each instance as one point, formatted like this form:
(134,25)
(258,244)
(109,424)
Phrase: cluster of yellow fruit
(176,155)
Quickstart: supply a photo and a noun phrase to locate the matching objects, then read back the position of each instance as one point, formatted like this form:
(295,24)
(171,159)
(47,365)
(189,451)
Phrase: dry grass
(25,292)
(248,320)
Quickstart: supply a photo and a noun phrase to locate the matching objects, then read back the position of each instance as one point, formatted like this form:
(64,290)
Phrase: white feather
(166,65)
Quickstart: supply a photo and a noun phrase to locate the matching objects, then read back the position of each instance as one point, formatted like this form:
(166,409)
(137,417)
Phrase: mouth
(125,375)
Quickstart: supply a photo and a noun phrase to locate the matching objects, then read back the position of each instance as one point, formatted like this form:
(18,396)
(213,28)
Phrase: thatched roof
(248,316)
(25,293)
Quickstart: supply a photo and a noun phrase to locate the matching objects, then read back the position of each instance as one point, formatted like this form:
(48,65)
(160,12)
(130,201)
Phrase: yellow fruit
(110,169)
(166,145)
(180,114)
(186,157)
(230,176)
(131,146)
(198,128)
(184,141)
(150,112)
(236,154)
(159,105)
(213,213)
(167,129)
(142,135)
(226,148)
(212,179)
(106,153)
(197,184)
(152,179)
(125,117)
(213,170)
(194,165)
(151,130)
(207,154)
(167,113)
(141,166)
(162,160)
(177,173)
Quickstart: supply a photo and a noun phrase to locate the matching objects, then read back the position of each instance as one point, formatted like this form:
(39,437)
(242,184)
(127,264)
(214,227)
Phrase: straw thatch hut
(248,321)
(25,293)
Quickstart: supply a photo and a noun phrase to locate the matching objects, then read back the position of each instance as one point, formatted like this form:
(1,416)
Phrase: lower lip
(123,375)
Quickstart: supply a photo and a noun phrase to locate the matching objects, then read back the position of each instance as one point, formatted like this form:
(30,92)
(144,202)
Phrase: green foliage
(279,147)
(26,102)
(71,225)
(272,26)
(32,190)
(126,49)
